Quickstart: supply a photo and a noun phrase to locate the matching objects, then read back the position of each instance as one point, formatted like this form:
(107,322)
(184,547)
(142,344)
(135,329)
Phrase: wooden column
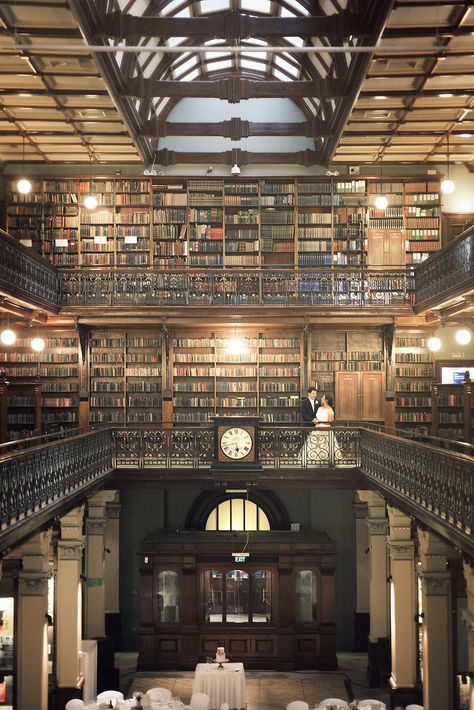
(32,644)
(438,691)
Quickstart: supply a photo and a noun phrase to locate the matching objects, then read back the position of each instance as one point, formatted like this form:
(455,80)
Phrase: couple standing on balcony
(317,446)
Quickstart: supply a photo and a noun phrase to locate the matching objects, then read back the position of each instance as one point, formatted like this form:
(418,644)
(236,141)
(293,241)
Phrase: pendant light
(381,201)
(7,336)
(23,185)
(447,185)
(90,201)
(37,344)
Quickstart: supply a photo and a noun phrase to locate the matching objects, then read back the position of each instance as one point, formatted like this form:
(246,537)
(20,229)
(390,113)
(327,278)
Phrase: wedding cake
(220,654)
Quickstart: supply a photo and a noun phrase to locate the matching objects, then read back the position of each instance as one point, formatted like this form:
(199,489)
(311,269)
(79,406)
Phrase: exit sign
(240,556)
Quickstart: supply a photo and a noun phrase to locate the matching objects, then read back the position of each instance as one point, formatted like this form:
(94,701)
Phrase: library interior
(207,210)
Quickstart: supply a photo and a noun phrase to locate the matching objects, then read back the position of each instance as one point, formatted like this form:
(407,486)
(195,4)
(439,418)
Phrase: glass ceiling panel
(218,66)
(184,67)
(171,6)
(262,6)
(279,75)
(214,5)
(298,7)
(255,66)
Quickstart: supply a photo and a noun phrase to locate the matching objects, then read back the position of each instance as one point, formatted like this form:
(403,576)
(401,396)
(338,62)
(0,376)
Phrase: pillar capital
(402,550)
(70,549)
(95,526)
(360,510)
(113,510)
(436,584)
(33,584)
(377,526)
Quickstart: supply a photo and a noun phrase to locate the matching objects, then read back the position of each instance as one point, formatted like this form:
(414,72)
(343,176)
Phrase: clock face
(236,443)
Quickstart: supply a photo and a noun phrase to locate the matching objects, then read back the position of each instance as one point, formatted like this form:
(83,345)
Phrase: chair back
(297,705)
(107,695)
(159,694)
(199,701)
(224,706)
(414,707)
(75,704)
(370,704)
(331,703)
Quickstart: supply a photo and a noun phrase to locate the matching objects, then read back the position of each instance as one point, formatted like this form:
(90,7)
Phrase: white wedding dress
(317,447)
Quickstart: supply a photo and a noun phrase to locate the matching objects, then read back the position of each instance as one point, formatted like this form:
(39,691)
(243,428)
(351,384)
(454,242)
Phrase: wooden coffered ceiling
(82,79)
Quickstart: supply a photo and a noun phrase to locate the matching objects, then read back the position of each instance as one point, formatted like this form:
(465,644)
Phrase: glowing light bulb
(447,186)
(381,202)
(90,202)
(38,344)
(8,336)
(24,186)
(236,346)
(463,336)
(434,344)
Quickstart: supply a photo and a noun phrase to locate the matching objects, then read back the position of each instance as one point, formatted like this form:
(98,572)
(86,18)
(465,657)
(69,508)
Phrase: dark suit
(307,412)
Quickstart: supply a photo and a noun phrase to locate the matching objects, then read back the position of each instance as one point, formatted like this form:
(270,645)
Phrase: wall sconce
(447,185)
(23,185)
(381,202)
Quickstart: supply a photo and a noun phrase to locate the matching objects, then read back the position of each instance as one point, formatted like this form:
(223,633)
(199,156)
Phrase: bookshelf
(143,370)
(328,356)
(107,377)
(279,378)
(414,375)
(43,389)
(236,376)
(171,223)
(277,219)
(194,373)
(447,406)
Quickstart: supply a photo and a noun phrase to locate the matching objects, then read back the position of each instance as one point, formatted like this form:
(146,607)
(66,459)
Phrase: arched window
(237,514)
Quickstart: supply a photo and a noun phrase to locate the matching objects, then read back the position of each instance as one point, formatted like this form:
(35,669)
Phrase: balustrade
(233,287)
(447,271)
(21,269)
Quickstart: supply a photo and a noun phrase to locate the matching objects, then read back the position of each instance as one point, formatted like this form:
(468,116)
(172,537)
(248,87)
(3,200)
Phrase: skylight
(171,6)
(296,41)
(255,55)
(214,5)
(192,75)
(215,55)
(279,75)
(263,6)
(185,67)
(256,66)
(173,41)
(298,7)
(284,64)
(217,66)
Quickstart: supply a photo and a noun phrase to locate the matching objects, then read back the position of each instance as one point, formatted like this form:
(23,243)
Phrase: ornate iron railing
(340,286)
(22,270)
(428,479)
(279,447)
(32,479)
(447,272)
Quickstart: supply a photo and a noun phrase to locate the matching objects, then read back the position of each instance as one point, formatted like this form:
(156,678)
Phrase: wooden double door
(360,395)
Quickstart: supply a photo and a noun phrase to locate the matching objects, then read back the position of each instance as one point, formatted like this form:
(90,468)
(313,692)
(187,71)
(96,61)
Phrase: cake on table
(220,654)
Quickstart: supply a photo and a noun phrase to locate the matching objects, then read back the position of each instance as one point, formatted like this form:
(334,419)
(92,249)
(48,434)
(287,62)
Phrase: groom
(309,407)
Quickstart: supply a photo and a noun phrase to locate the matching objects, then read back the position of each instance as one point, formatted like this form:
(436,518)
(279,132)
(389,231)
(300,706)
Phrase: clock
(236,443)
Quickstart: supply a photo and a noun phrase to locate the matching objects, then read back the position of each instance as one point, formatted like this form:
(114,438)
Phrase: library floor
(266,690)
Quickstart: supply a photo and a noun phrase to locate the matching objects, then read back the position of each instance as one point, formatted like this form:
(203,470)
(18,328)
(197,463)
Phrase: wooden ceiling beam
(235,129)
(236,156)
(232,25)
(234,89)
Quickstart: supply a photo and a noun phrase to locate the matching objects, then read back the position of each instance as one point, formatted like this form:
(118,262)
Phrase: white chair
(199,701)
(159,694)
(107,695)
(333,702)
(297,705)
(414,707)
(75,704)
(224,706)
(370,704)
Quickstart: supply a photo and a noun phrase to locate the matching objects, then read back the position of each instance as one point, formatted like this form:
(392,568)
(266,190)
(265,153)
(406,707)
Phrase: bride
(316,448)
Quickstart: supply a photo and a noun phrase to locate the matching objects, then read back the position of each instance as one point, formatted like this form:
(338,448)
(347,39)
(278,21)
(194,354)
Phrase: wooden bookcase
(452,412)
(279,377)
(413,376)
(53,378)
(211,222)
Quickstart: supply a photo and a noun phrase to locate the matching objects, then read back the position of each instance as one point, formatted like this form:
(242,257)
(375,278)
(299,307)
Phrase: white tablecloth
(223,686)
